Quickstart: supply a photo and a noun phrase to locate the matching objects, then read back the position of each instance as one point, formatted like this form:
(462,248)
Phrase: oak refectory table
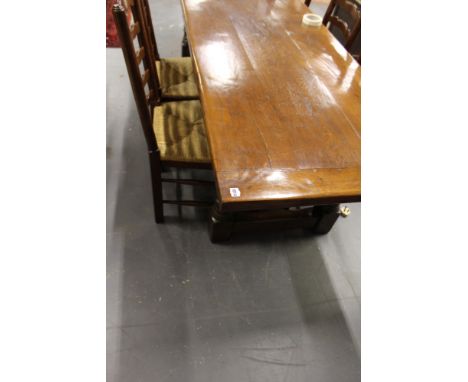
(282,110)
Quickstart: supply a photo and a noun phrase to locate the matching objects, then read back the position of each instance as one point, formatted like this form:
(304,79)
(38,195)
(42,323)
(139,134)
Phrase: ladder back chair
(345,15)
(174,131)
(176,75)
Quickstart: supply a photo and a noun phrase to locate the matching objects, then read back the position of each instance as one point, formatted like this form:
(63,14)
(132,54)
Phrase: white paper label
(235,192)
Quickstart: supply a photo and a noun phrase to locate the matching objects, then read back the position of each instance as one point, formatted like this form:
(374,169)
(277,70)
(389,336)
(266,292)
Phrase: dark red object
(112,39)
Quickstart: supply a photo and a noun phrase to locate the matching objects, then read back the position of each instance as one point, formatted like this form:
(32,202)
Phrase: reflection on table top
(281,103)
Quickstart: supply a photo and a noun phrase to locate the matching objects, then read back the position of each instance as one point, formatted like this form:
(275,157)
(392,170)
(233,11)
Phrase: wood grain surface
(281,103)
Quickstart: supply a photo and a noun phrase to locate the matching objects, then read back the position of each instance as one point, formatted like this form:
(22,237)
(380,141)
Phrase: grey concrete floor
(262,307)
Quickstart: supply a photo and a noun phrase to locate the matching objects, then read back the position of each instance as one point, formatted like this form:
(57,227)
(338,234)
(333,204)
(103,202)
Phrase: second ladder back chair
(176,75)
(345,15)
(174,131)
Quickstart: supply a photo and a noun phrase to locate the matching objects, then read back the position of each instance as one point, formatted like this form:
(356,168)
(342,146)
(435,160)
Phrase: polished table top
(282,104)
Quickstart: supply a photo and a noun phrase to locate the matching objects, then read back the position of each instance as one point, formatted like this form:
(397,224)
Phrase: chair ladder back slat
(134,30)
(134,74)
(341,25)
(145,78)
(140,54)
(352,9)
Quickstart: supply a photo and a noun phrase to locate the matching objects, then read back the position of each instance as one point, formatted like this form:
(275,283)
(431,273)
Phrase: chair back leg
(156,183)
